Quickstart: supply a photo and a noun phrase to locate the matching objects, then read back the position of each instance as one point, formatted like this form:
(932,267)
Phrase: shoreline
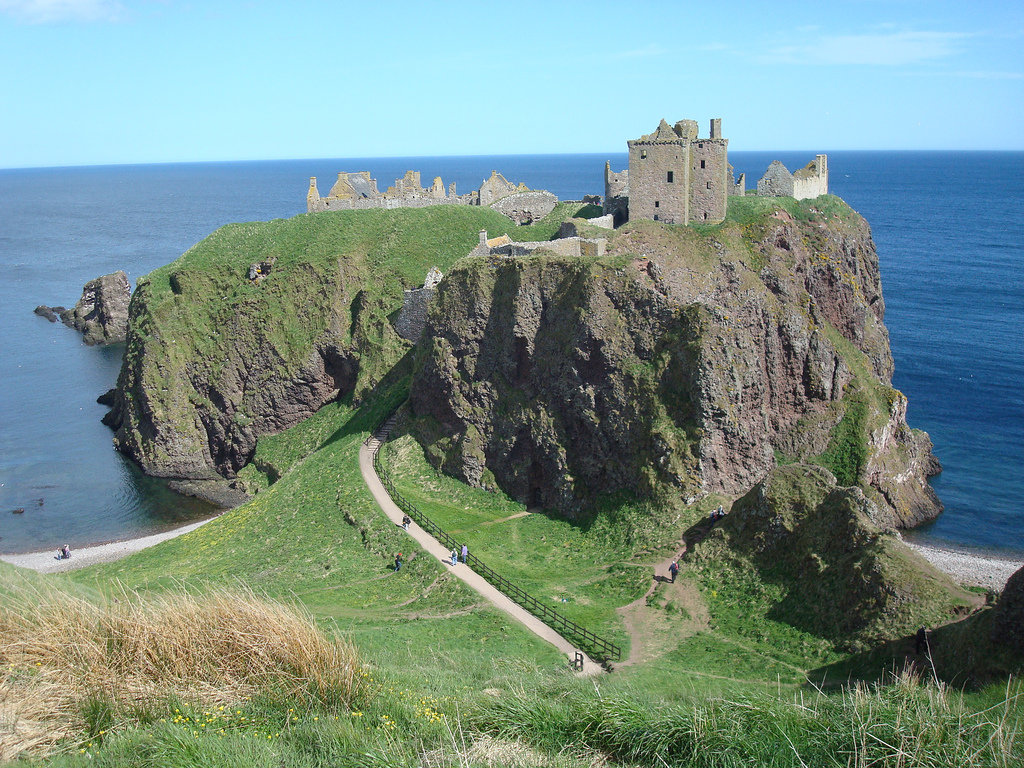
(970,567)
(966,566)
(81,557)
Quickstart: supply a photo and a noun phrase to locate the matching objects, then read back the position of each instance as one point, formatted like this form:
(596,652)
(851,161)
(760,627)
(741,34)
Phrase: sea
(949,227)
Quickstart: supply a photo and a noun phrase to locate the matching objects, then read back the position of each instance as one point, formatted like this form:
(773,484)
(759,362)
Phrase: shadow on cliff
(380,402)
(961,654)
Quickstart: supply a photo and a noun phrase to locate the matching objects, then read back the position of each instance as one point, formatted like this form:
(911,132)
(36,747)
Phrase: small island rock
(102,312)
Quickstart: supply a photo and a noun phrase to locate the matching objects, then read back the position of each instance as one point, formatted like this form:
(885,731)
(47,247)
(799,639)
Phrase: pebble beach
(47,562)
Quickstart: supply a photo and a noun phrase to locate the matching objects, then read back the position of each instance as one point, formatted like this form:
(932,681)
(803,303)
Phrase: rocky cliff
(260,324)
(689,360)
(838,573)
(101,314)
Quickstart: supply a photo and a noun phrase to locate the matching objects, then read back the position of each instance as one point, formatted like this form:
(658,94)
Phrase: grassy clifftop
(215,358)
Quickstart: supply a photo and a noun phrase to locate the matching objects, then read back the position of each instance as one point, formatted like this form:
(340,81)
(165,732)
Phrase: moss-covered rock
(219,354)
(841,575)
(1008,621)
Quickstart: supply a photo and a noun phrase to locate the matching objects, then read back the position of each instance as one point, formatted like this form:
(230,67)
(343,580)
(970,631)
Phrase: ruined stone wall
(333,204)
(659,181)
(615,184)
(495,188)
(357,191)
(739,188)
(809,188)
(776,182)
(807,183)
(605,222)
(413,314)
(811,180)
(526,207)
(709,180)
(616,194)
(572,247)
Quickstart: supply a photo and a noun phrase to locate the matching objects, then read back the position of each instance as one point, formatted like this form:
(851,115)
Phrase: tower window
(709,185)
(701,163)
(655,217)
(643,154)
(670,177)
(657,204)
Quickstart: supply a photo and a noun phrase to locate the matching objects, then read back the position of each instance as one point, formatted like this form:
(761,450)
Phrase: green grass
(582,576)
(847,452)
(904,724)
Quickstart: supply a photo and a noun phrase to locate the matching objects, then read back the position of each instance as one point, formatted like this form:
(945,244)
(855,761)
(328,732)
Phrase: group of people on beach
(64,552)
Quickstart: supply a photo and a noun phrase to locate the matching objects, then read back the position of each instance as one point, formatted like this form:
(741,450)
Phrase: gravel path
(470,577)
(968,567)
(47,562)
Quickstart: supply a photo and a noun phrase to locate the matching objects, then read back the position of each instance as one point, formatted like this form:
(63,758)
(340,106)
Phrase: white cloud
(50,11)
(880,49)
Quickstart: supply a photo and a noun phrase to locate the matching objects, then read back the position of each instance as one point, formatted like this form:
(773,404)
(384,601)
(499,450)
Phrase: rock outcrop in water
(101,315)
(688,361)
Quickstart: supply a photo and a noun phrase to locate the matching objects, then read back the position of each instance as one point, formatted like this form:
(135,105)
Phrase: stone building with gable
(806,184)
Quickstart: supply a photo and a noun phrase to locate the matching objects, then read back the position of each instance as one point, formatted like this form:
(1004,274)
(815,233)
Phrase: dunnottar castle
(674,176)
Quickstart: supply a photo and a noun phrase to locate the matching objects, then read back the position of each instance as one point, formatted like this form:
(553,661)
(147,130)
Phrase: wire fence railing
(596,646)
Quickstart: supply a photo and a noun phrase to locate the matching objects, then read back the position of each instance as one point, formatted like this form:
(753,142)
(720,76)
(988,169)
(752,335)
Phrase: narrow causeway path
(462,571)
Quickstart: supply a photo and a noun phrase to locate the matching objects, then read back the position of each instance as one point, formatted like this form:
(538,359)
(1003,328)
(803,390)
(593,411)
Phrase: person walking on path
(673,570)
(455,556)
(465,552)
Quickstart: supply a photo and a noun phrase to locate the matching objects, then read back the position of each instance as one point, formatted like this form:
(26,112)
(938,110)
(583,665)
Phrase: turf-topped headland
(573,420)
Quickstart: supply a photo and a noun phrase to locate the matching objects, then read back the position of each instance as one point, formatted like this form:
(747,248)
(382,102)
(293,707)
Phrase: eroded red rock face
(685,363)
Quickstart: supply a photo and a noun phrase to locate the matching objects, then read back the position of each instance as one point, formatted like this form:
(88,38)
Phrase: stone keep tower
(678,178)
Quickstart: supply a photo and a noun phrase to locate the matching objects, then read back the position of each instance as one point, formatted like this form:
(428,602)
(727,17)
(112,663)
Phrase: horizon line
(139,163)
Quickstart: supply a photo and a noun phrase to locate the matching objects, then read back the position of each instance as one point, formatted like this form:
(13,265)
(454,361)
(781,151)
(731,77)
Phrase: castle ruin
(807,183)
(357,191)
(677,177)
(674,176)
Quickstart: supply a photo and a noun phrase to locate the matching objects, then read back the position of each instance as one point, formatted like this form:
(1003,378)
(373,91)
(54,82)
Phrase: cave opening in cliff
(535,495)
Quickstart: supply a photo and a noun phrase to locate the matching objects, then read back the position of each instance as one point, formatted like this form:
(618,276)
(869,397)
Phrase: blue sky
(129,81)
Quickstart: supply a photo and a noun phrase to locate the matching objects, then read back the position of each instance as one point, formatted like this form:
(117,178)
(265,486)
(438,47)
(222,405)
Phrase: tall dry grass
(62,657)
(908,723)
